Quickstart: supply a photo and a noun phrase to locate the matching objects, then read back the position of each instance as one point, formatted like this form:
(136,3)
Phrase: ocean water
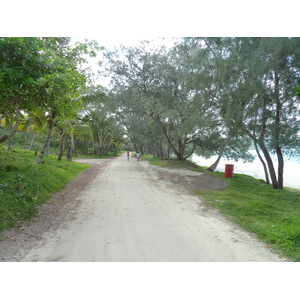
(291,173)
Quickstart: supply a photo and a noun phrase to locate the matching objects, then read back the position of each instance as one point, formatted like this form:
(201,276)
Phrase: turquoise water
(291,175)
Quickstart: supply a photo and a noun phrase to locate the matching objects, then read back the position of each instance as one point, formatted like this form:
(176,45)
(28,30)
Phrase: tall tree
(63,84)
(160,86)
(259,95)
(20,68)
(40,73)
(100,118)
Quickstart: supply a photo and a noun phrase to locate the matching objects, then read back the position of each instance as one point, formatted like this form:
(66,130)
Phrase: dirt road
(132,211)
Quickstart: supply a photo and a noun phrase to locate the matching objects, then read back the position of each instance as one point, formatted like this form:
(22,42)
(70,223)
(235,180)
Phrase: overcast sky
(127,20)
(116,22)
(114,42)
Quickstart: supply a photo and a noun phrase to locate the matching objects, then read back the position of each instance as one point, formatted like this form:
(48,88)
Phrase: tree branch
(13,130)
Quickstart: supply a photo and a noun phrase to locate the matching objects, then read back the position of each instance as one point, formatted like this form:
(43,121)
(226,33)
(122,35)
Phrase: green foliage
(173,163)
(257,93)
(93,156)
(298,89)
(24,185)
(159,99)
(209,95)
(273,215)
(98,118)
(38,73)
(21,66)
(42,74)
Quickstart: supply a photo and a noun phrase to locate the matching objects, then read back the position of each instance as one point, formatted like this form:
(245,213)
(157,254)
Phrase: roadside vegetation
(208,96)
(24,184)
(273,215)
(172,163)
(93,156)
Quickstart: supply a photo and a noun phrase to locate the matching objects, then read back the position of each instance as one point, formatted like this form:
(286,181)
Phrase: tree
(44,74)
(64,83)
(20,68)
(258,95)
(98,116)
(212,95)
(161,89)
(63,90)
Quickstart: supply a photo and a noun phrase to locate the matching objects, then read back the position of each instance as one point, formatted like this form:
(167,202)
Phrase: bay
(291,173)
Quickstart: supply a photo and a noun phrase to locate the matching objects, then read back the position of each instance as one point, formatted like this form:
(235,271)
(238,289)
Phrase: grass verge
(24,185)
(273,215)
(172,163)
(92,156)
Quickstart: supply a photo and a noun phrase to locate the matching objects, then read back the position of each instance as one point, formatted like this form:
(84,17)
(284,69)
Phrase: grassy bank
(24,184)
(273,215)
(172,163)
(93,156)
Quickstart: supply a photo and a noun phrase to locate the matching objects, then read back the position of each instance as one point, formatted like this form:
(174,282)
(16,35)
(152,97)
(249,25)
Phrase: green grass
(24,185)
(109,155)
(172,163)
(273,215)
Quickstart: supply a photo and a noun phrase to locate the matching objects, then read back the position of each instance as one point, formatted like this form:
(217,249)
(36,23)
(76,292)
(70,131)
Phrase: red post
(229,170)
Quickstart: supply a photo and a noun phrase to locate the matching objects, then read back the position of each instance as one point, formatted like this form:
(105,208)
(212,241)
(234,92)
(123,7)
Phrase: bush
(24,184)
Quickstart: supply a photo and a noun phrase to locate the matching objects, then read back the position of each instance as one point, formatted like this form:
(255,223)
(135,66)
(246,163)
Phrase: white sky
(130,19)
(116,22)
(114,42)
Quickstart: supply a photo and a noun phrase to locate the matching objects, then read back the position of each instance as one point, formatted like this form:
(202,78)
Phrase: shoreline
(255,169)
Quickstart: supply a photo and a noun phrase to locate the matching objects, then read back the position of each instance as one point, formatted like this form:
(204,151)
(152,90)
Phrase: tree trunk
(94,145)
(280,167)
(13,130)
(47,152)
(168,151)
(10,142)
(171,144)
(39,160)
(32,140)
(85,145)
(263,163)
(278,130)
(191,153)
(69,156)
(270,165)
(72,146)
(266,154)
(134,144)
(181,148)
(62,146)
(215,164)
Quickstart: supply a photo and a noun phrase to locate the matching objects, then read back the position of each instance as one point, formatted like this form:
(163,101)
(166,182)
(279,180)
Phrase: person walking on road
(128,154)
(138,156)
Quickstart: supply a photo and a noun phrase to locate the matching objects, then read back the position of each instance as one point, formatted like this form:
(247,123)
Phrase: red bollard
(229,170)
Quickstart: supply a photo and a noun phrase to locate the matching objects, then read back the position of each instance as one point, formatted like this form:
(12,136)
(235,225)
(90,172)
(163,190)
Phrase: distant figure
(138,156)
(128,154)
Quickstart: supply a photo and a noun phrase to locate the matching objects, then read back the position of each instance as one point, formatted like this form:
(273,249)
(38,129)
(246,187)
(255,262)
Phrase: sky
(127,20)
(116,22)
(110,44)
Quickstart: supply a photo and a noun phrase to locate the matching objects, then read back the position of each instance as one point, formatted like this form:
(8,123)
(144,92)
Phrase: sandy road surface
(132,211)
